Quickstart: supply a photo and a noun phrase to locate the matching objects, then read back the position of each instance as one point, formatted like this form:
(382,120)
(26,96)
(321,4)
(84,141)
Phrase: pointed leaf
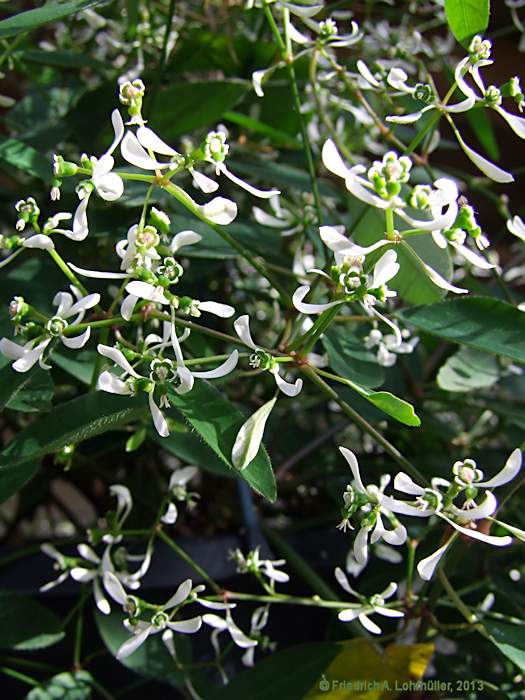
(467,17)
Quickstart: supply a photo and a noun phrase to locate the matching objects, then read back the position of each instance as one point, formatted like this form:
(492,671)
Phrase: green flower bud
(159,220)
(63,168)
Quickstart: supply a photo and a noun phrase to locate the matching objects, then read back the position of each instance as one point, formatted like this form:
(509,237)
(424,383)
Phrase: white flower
(369,502)
(388,346)
(252,563)
(109,185)
(262,359)
(371,606)
(178,491)
(227,624)
(159,621)
(26,356)
(258,622)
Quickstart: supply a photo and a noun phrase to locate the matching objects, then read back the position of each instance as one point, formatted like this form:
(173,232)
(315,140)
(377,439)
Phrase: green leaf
(349,358)
(480,123)
(18,154)
(36,395)
(76,685)
(249,437)
(135,441)
(287,674)
(412,282)
(70,422)
(510,640)
(467,17)
(468,369)
(11,383)
(23,620)
(63,59)
(395,407)
(50,12)
(183,108)
(151,659)
(80,365)
(479,322)
(218,422)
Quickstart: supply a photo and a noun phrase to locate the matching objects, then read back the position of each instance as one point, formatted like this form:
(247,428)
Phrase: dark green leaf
(151,659)
(467,17)
(11,383)
(18,154)
(218,421)
(63,59)
(183,108)
(468,369)
(70,422)
(76,685)
(287,674)
(279,137)
(510,640)
(36,395)
(50,12)
(479,322)
(22,620)
(480,123)
(349,358)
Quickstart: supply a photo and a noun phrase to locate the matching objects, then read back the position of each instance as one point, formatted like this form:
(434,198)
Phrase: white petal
(517,227)
(488,539)
(212,307)
(389,590)
(385,269)
(368,624)
(31,357)
(387,612)
(267,219)
(242,328)
(115,588)
(473,258)
(100,600)
(109,187)
(517,124)
(333,161)
(288,388)
(12,350)
(214,621)
(479,512)
(186,626)
(296,36)
(144,290)
(39,241)
(118,358)
(440,281)
(303,10)
(489,169)
(304,308)
(149,139)
(220,211)
(108,382)
(159,421)
(184,238)
(171,514)
(118,129)
(397,79)
(349,614)
(95,274)
(408,118)
(361,546)
(262,194)
(222,370)
(203,182)
(405,483)
(257,78)
(133,152)
(427,566)
(80,222)
(342,580)
(82,575)
(180,595)
(367,74)
(103,166)
(134,642)
(128,306)
(87,553)
(509,471)
(77,341)
(354,466)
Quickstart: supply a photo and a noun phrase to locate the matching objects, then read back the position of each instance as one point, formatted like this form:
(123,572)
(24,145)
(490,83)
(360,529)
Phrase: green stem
(19,676)
(363,424)
(186,557)
(285,48)
(78,635)
(306,342)
(68,272)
